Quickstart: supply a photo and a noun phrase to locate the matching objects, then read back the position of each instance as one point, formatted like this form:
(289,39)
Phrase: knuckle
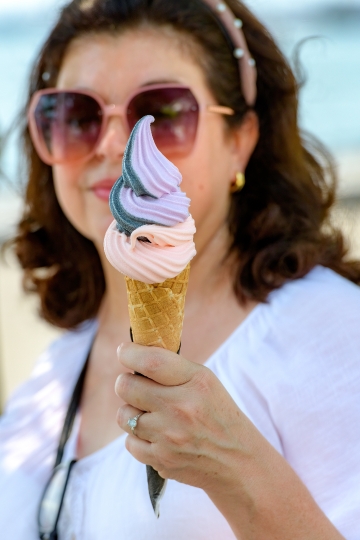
(123,349)
(165,460)
(165,474)
(121,416)
(123,384)
(203,380)
(177,438)
(187,411)
(128,444)
(159,467)
(153,361)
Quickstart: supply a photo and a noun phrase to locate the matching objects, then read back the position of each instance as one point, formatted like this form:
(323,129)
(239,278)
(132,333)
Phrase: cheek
(206,180)
(70,195)
(197,187)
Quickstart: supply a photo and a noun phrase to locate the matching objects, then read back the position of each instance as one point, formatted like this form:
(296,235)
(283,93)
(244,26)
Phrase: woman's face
(115,66)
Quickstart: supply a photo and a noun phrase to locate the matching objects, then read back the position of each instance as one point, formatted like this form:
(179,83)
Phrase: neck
(210,270)
(114,307)
(208,277)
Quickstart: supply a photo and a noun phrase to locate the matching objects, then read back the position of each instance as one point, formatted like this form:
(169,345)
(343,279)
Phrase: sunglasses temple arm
(220,109)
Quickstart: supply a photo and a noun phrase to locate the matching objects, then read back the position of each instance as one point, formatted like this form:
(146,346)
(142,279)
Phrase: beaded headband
(247,66)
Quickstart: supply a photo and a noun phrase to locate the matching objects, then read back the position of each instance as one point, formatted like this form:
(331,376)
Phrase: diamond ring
(132,422)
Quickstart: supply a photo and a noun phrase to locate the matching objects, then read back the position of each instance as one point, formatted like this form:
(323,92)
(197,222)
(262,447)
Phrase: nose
(113,142)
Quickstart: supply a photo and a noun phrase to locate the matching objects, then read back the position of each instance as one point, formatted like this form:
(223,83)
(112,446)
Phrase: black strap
(73,407)
(65,434)
(71,412)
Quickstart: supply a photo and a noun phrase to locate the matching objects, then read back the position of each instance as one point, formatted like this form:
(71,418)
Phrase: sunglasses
(68,125)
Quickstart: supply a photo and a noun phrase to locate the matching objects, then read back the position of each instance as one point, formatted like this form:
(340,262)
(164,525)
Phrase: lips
(102,188)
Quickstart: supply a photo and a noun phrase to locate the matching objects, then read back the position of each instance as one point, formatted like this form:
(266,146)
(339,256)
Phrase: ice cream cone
(156,317)
(157,310)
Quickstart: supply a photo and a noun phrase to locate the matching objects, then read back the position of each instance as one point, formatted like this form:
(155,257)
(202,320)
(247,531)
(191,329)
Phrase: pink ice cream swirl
(151,237)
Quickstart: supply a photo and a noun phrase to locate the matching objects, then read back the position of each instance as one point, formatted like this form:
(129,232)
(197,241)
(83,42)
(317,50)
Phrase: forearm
(268,501)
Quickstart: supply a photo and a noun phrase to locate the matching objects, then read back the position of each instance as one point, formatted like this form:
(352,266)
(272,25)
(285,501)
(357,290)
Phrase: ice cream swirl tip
(151,237)
(148,191)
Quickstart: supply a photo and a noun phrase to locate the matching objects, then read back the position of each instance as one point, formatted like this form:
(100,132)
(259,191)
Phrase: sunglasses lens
(68,125)
(176,114)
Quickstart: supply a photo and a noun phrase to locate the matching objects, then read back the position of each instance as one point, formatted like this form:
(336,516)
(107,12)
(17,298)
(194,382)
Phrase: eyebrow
(159,81)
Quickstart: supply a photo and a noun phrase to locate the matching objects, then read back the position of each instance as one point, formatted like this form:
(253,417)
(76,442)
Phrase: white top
(293,367)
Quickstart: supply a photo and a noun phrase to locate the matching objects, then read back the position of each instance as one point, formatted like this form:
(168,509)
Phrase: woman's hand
(194,432)
(193,424)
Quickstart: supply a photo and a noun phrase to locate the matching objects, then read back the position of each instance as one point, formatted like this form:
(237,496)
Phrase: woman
(257,420)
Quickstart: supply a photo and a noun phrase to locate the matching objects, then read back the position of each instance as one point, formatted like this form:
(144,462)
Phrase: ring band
(132,422)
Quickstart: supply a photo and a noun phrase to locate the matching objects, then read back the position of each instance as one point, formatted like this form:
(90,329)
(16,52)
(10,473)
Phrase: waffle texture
(157,310)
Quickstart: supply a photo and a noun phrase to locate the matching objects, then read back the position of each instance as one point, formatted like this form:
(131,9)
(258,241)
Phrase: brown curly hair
(279,222)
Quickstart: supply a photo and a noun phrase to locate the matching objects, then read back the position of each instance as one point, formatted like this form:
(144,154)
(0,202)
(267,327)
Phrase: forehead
(114,65)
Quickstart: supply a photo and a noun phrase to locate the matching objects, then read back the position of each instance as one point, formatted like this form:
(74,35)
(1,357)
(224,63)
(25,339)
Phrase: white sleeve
(317,411)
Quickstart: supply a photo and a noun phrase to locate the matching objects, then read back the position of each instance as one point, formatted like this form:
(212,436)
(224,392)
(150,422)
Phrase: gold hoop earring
(239,183)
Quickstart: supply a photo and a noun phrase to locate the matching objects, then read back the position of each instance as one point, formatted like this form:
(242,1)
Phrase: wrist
(263,499)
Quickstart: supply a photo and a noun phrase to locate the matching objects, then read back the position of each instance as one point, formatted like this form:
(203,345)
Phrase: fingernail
(118,351)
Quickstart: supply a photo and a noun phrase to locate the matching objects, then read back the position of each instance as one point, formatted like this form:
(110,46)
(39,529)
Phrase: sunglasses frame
(108,111)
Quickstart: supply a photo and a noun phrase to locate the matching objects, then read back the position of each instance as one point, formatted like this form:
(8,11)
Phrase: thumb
(164,367)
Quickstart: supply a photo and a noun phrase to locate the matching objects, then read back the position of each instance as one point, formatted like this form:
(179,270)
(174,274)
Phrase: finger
(160,365)
(124,414)
(141,393)
(141,450)
(143,430)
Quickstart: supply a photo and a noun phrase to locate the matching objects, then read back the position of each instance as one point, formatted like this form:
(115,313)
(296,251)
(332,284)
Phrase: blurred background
(323,34)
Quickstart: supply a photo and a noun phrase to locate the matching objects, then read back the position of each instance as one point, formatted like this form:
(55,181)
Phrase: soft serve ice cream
(151,237)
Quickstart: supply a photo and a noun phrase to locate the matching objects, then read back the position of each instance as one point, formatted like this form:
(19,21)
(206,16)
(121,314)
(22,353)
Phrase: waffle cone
(157,310)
